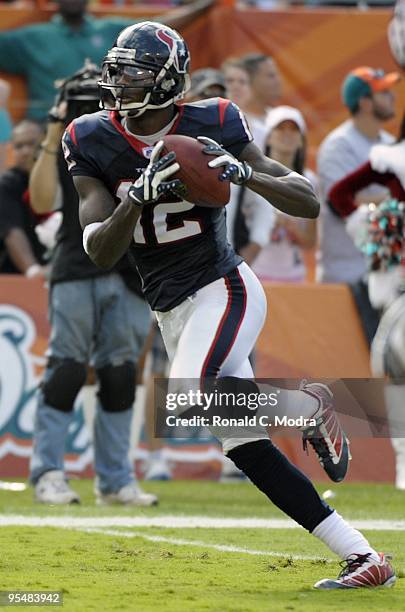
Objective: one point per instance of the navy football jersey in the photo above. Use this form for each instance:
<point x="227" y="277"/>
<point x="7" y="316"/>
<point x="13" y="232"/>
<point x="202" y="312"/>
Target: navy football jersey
<point x="178" y="247"/>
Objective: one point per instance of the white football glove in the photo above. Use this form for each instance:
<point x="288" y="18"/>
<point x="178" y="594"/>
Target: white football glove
<point x="389" y="158"/>
<point x="152" y="183"/>
<point x="235" y="171"/>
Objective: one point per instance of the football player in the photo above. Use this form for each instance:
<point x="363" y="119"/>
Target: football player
<point x="208" y="303"/>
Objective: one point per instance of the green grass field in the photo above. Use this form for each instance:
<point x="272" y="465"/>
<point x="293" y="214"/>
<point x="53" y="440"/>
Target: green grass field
<point x="172" y="568"/>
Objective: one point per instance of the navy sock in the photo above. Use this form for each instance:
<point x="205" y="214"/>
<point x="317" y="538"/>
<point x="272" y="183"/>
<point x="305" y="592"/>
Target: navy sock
<point x="283" y="483"/>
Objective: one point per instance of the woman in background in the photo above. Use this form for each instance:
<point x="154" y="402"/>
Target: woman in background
<point x="282" y="259"/>
<point x="237" y="81"/>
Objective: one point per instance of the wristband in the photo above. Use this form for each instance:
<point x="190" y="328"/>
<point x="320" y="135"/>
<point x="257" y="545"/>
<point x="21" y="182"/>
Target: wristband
<point x="33" y="270"/>
<point x="46" y="150"/>
<point x="88" y="231"/>
<point x="132" y="194"/>
<point x="249" y="172"/>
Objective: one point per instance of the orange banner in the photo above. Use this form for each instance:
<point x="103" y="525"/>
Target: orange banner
<point x="313" y="48"/>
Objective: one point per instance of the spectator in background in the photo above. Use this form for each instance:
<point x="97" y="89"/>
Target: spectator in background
<point x="249" y="217"/>
<point x="20" y="250"/>
<point x="237" y="82"/>
<point x="282" y="259"/>
<point x="367" y="94"/>
<point x="5" y="123"/>
<point x="45" y="52"/>
<point x="97" y="316"/>
<point x="266" y="87"/>
<point x="386" y="165"/>
<point x="206" y="83"/>
<point x="386" y="280"/>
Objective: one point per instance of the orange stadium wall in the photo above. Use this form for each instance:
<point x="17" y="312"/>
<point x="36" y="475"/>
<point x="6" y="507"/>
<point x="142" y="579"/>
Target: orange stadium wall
<point x="314" y="49"/>
<point x="311" y="331"/>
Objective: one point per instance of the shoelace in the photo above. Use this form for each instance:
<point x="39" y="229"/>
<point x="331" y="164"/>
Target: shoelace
<point x="351" y="565"/>
<point x="319" y="445"/>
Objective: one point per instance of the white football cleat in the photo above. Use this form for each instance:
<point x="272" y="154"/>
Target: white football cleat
<point x="129" y="495"/>
<point x="361" y="572"/>
<point x="52" y="488"/>
<point x="327" y="438"/>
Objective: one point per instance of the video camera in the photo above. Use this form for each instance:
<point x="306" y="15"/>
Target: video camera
<point x="80" y="91"/>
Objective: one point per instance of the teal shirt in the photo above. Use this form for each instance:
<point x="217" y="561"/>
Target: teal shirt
<point x="5" y="126"/>
<point x="45" y="52"/>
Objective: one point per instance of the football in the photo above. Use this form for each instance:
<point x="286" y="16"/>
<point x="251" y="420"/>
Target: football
<point x="202" y="183"/>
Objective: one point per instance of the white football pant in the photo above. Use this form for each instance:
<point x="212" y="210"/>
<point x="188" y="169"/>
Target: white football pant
<point x="212" y="333"/>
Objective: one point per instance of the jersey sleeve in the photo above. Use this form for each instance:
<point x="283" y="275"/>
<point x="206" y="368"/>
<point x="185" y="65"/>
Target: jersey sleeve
<point x="235" y="130"/>
<point x="79" y="163"/>
<point x="342" y="197"/>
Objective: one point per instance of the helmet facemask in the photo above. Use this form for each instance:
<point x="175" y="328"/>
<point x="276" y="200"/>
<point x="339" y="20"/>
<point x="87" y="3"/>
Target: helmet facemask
<point x="126" y="87"/>
<point x="131" y="86"/>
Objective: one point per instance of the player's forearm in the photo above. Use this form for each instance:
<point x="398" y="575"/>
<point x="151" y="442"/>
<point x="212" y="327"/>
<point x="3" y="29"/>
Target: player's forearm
<point x="110" y="241"/>
<point x="43" y="184"/>
<point x="292" y="194"/>
<point x="19" y="250"/>
<point x="44" y="177"/>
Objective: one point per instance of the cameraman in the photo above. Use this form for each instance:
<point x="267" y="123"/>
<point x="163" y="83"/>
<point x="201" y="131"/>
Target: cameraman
<point x="95" y="317"/>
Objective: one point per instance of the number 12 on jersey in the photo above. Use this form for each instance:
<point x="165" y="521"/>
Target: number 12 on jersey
<point x="153" y="226"/>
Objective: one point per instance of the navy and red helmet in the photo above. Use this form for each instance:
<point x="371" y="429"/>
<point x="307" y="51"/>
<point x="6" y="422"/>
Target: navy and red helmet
<point x="147" y="69"/>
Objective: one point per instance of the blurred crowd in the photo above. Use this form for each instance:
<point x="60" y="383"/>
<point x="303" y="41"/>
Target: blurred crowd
<point x="357" y="163"/>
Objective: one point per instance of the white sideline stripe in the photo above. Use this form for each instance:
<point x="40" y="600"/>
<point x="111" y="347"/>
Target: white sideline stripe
<point x="165" y="521"/>
<point x="220" y="547"/>
<point x="178" y="522"/>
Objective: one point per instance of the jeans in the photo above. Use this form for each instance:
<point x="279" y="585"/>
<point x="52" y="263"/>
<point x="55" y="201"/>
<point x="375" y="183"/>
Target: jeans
<point x="101" y="322"/>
